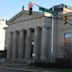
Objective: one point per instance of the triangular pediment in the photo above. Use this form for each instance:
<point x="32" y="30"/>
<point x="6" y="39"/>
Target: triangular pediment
<point x="24" y="16"/>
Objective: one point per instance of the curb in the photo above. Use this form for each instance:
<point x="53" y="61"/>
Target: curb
<point x="31" y="70"/>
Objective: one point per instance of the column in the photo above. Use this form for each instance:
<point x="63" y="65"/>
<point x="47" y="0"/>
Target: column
<point x="15" y="45"/>
<point x="44" y="43"/>
<point x="9" y="50"/>
<point x="13" y="49"/>
<point x="37" y="42"/>
<point x="28" y="44"/>
<point x="22" y="44"/>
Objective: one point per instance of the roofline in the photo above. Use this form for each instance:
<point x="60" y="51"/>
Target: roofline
<point x="20" y="13"/>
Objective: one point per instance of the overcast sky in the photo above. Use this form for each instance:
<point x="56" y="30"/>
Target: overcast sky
<point x="9" y="8"/>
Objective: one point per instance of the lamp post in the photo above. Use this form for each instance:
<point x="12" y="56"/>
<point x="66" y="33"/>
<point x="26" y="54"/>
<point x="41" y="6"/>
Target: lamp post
<point x="52" y="38"/>
<point x="33" y="55"/>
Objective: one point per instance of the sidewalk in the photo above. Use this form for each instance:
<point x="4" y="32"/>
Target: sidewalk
<point x="24" y="67"/>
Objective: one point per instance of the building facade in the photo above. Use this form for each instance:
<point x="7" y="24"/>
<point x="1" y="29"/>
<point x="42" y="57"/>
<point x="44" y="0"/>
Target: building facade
<point x="37" y="36"/>
<point x="2" y="34"/>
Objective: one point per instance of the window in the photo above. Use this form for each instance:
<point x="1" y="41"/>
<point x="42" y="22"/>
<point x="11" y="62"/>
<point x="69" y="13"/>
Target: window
<point x="68" y="35"/>
<point x="68" y="40"/>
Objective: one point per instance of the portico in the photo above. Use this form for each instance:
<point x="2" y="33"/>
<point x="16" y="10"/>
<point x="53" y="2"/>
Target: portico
<point x="20" y="43"/>
<point x="27" y="35"/>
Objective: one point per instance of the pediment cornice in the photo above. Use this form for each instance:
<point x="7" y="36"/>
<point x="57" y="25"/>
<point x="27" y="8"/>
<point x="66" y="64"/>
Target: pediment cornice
<point x="26" y="17"/>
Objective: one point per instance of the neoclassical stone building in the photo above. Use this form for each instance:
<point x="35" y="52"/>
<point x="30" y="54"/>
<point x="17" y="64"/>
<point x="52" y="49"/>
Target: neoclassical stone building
<point x="28" y="35"/>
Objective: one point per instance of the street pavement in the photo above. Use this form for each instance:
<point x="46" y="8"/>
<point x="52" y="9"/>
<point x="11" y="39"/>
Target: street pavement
<point x="10" y="70"/>
<point x="5" y="69"/>
<point x="16" y="67"/>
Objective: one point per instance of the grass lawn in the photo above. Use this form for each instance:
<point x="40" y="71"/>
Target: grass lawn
<point x="50" y="69"/>
<point x="61" y="70"/>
